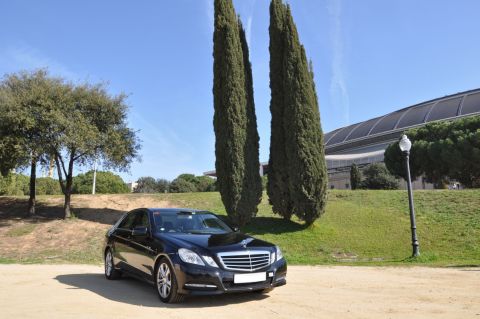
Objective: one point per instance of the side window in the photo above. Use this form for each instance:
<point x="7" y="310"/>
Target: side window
<point x="128" y="221"/>
<point x="141" y="220"/>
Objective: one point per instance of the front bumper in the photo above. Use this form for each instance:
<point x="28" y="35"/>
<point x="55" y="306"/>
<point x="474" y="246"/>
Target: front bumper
<point x="206" y="280"/>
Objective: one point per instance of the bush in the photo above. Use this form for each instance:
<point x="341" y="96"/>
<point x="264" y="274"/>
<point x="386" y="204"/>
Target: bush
<point x="162" y="185"/>
<point x="48" y="186"/>
<point x="205" y="184"/>
<point x="378" y="177"/>
<point x="14" y="184"/>
<point x="180" y="185"/>
<point x="146" y="184"/>
<point x="186" y="183"/>
<point x="107" y="183"/>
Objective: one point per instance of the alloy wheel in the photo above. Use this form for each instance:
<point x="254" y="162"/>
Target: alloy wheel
<point x="108" y="263"/>
<point x="164" y="280"/>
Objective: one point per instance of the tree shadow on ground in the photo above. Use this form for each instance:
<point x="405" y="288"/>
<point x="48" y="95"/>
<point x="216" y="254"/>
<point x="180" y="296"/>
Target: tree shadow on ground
<point x="272" y="225"/>
<point x="138" y="293"/>
<point x="16" y="208"/>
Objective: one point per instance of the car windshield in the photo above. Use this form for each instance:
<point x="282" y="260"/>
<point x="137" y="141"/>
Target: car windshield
<point x="189" y="223"/>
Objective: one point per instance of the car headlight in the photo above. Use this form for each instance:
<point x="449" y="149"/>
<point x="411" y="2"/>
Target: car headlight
<point x="279" y="253"/>
<point x="190" y="257"/>
<point x="210" y="261"/>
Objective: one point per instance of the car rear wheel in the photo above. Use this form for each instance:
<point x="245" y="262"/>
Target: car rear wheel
<point x="166" y="283"/>
<point x="110" y="272"/>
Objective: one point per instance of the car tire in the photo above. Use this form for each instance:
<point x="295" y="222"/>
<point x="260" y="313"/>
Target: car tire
<point x="110" y="272"/>
<point x="166" y="282"/>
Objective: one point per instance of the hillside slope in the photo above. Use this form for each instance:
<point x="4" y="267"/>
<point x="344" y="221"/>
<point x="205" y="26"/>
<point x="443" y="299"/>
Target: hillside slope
<point x="359" y="227"/>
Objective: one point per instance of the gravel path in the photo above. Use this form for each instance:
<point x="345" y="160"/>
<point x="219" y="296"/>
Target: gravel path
<point x="81" y="291"/>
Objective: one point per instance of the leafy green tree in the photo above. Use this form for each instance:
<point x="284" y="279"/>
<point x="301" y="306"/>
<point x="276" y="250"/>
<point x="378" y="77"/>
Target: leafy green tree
<point x="441" y="151"/>
<point x="277" y="186"/>
<point x="146" y="184"/>
<point x="106" y="183"/>
<point x="13" y="152"/>
<point x="355" y="176"/>
<point x="180" y="185"/>
<point x="189" y="178"/>
<point x="28" y="101"/>
<point x="162" y="185"/>
<point x="13" y="184"/>
<point x="233" y="123"/>
<point x="49" y="186"/>
<point x="205" y="184"/>
<point x="91" y="125"/>
<point x="377" y="176"/>
<point x="301" y="135"/>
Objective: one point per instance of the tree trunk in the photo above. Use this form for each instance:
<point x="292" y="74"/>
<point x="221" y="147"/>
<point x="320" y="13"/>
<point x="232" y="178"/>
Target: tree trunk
<point x="68" y="188"/>
<point x="51" y="167"/>
<point x="33" y="178"/>
<point x="66" y="206"/>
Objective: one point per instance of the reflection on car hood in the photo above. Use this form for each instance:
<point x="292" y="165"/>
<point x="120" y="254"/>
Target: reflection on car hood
<point x="216" y="242"/>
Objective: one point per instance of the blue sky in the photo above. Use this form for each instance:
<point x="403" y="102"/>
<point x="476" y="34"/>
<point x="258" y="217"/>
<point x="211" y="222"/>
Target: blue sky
<point x="370" y="57"/>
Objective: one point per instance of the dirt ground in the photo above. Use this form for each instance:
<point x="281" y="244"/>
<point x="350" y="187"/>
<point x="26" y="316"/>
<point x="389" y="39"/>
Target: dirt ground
<point x="42" y="237"/>
<point x="81" y="291"/>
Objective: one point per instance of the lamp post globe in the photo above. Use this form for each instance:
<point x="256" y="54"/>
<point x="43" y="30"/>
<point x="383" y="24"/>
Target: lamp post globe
<point x="405" y="145"/>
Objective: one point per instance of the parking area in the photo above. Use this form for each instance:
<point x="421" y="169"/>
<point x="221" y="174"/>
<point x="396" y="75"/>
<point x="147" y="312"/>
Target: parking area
<point x="81" y="291"/>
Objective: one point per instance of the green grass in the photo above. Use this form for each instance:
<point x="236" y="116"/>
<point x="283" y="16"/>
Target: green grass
<point x="369" y="227"/>
<point x="21" y="230"/>
<point x="359" y="227"/>
<point x="7" y="261"/>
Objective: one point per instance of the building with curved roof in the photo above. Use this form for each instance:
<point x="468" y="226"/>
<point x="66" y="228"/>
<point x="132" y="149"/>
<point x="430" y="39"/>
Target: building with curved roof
<point x="365" y="142"/>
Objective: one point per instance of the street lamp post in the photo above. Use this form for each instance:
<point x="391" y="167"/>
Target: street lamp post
<point x="405" y="146"/>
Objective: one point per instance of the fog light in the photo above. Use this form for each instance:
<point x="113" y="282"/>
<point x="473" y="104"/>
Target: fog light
<point x="270" y="274"/>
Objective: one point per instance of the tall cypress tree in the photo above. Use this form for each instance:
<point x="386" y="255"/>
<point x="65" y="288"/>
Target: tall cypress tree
<point x="355" y="177"/>
<point x="233" y="121"/>
<point x="300" y="177"/>
<point x="277" y="186"/>
<point x="252" y="184"/>
<point x="307" y="173"/>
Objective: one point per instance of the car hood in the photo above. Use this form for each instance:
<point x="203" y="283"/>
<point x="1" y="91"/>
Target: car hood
<point x="215" y="243"/>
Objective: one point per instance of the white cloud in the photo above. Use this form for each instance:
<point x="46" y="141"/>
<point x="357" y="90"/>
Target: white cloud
<point x="209" y="10"/>
<point x="248" y="30"/>
<point x="24" y="57"/>
<point x="338" y="86"/>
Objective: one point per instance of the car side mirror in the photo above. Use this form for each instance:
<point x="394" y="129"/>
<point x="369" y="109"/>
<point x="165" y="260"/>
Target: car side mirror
<point x="140" y="231"/>
<point x="236" y="229"/>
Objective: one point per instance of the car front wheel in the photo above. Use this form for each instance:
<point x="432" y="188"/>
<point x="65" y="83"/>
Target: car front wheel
<point x="166" y="283"/>
<point x="110" y="272"/>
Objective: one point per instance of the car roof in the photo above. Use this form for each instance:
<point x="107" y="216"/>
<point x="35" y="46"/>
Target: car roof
<point x="190" y="210"/>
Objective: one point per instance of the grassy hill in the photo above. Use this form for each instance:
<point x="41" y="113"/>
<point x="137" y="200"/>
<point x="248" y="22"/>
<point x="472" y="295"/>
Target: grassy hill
<point x="359" y="227"/>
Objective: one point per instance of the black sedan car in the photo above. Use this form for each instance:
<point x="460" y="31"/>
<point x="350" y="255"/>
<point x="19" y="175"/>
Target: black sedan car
<point x="190" y="252"/>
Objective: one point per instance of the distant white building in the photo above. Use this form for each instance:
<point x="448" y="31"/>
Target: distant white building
<point x="132" y="186"/>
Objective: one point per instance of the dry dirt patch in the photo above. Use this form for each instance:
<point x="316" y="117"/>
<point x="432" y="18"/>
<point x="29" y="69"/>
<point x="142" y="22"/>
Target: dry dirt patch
<point x="47" y="237"/>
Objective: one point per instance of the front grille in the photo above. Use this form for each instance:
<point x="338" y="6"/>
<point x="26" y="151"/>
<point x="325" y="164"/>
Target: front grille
<point x="245" y="260"/>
